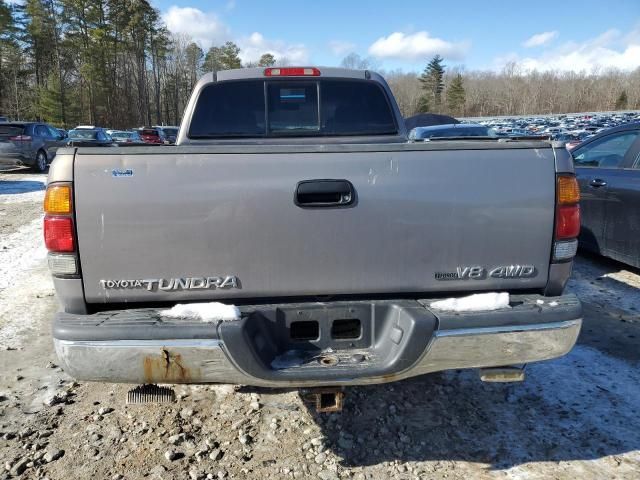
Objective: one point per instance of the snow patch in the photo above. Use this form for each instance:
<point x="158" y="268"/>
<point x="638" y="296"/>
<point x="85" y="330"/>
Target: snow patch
<point x="474" y="303"/>
<point x="21" y="251"/>
<point x="206" y="312"/>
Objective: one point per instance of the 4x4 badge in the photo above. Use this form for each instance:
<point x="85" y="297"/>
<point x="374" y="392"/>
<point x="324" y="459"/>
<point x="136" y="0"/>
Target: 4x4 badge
<point x="477" y="272"/>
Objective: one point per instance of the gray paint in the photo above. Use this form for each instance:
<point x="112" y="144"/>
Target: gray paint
<point x="417" y="213"/>
<point x="61" y="169"/>
<point x="70" y="294"/>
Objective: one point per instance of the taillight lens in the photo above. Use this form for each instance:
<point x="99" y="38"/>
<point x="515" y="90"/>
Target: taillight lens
<point x="568" y="190"/>
<point x="567" y="222"/>
<point x="57" y="200"/>
<point x="567" y="217"/>
<point x="58" y="234"/>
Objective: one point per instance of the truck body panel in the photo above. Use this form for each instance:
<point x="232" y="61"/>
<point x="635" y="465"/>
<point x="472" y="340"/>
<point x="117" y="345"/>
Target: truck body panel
<point x="418" y="214"/>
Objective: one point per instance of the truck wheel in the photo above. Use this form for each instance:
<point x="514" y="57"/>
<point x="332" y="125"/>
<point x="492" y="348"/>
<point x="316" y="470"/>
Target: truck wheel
<point x="41" y="162"/>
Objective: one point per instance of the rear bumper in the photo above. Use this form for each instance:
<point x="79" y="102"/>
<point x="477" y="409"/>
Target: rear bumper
<point x="405" y="340"/>
<point x="15" y="158"/>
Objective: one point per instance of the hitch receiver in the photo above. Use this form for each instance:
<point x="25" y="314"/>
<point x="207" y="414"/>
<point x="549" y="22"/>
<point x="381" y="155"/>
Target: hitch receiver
<point x="325" y="399"/>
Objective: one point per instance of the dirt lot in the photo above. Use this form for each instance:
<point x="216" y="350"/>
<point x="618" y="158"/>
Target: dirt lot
<point x="574" y="418"/>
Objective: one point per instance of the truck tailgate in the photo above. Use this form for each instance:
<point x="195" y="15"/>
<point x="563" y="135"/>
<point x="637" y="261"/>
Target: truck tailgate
<point x="185" y="223"/>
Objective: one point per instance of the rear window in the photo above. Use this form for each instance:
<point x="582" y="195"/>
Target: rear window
<point x="149" y="132"/>
<point x="292" y="108"/>
<point x="84" y="134"/>
<point x="11" y="130"/>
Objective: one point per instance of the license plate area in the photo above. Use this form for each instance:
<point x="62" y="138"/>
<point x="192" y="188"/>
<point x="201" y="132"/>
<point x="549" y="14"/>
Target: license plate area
<point x="328" y="340"/>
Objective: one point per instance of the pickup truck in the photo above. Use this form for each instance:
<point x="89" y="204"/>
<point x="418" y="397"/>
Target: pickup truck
<point x="294" y="195"/>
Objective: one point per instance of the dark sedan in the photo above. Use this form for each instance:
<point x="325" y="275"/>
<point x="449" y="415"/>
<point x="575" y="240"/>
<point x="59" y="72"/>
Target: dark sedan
<point x="608" y="171"/>
<point x="90" y="137"/>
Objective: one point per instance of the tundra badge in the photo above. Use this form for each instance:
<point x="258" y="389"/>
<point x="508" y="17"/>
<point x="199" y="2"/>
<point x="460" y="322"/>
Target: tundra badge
<point x="167" y="284"/>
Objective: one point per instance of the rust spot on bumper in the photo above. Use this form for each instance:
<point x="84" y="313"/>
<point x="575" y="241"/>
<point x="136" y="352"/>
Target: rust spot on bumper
<point x="168" y="367"/>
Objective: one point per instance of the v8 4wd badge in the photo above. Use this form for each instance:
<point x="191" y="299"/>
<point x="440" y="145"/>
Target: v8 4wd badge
<point x="477" y="272"/>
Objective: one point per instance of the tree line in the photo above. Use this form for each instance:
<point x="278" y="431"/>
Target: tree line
<point x="102" y="62"/>
<point x="114" y="63"/>
<point x="513" y="91"/>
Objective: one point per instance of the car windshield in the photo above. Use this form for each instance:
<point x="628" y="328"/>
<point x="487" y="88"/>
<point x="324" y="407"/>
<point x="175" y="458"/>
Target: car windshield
<point x="83" y="134"/>
<point x="293" y="108"/>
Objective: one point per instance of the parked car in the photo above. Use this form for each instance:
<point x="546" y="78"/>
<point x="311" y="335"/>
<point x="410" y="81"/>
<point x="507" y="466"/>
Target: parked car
<point x="3" y="119"/>
<point x="29" y="143"/>
<point x="608" y="171"/>
<point x="126" y="137"/>
<point x="89" y="137"/>
<point x="153" y="135"/>
<point x="577" y="139"/>
<point x="170" y="133"/>
<point x="451" y="130"/>
<point x="299" y="198"/>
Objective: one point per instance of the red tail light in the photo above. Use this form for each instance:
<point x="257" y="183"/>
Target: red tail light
<point x="58" y="234"/>
<point x="567" y="222"/>
<point x="567" y="208"/>
<point x="292" y="72"/>
<point x="20" y="138"/>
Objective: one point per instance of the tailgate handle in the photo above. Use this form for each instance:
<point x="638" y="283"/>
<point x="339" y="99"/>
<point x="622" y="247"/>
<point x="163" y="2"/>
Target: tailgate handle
<point x="324" y="193"/>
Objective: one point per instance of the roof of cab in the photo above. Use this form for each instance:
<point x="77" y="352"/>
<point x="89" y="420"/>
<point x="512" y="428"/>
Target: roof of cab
<point x="254" y="73"/>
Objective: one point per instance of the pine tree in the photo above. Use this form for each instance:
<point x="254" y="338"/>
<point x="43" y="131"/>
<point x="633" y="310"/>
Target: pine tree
<point x="622" y="101"/>
<point x="423" y="104"/>
<point x="432" y="80"/>
<point x="456" y="95"/>
<point x="224" y="57"/>
<point x="50" y="101"/>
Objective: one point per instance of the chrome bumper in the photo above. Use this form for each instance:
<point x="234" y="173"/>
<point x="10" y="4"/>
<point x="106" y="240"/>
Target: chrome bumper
<point x="206" y="361"/>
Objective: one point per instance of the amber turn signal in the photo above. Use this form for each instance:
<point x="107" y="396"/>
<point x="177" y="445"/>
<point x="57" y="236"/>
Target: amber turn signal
<point x="57" y="200"/>
<point x="568" y="190"/>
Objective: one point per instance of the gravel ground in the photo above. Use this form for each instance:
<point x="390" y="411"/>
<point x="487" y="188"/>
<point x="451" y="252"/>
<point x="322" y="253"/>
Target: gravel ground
<point x="575" y="417"/>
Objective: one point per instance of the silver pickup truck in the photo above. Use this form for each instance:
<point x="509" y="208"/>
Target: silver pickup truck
<point x="294" y="195"/>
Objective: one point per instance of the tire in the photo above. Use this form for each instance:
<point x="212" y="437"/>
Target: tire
<point x="41" y="162"/>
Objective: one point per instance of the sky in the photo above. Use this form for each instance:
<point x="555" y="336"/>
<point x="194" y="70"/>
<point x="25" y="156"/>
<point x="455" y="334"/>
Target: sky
<point x="476" y="35"/>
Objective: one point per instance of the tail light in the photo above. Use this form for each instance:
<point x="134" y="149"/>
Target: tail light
<point x="567" y="226"/>
<point x="292" y="72"/>
<point x="58" y="234"/>
<point x="59" y="230"/>
<point x="57" y="200"/>
<point x="20" y="138"/>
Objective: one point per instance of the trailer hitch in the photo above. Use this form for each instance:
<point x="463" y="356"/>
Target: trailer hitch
<point x="324" y="399"/>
